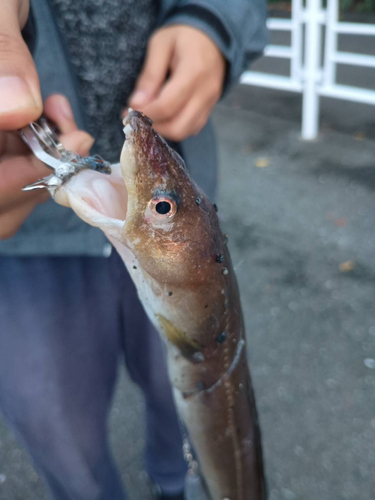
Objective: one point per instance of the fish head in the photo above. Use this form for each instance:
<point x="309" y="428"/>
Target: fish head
<point x="157" y="212"/>
<point x="169" y="222"/>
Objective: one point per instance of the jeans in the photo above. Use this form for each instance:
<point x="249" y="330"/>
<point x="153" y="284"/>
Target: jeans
<point x="65" y="323"/>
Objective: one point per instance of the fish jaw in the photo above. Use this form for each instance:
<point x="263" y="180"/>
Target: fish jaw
<point x="99" y="200"/>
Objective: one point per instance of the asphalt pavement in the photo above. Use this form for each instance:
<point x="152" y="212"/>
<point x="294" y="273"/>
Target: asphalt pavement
<point x="300" y="218"/>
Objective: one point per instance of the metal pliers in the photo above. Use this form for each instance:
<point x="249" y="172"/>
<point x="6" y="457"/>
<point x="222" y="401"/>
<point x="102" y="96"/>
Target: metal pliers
<point x="46" y="146"/>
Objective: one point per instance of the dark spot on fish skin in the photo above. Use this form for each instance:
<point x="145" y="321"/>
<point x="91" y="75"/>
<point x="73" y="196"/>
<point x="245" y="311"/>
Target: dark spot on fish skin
<point x="220" y="258"/>
<point x="134" y="267"/>
<point x="221" y="338"/>
<point x="170" y="294"/>
<point x="206" y="306"/>
<point x="215" y="207"/>
<point x="225" y="271"/>
<point x="198" y="201"/>
<point x="200" y="386"/>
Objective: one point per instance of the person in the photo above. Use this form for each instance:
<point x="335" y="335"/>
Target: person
<point x="68" y="310"/>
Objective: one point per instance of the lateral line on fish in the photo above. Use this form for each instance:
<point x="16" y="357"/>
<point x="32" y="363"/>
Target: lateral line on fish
<point x="229" y="372"/>
<point x="229" y="395"/>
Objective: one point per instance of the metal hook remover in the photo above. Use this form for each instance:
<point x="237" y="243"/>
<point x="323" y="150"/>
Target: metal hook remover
<point x="46" y="146"/>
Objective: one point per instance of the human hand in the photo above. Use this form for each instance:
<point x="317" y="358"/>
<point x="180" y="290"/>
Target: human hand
<point x="181" y="81"/>
<point x="20" y="104"/>
<point x="19" y="167"/>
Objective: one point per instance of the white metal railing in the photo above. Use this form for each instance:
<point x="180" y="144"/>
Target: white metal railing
<point x="306" y="74"/>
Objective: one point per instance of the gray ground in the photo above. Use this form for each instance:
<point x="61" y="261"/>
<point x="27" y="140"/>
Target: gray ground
<point x="301" y="233"/>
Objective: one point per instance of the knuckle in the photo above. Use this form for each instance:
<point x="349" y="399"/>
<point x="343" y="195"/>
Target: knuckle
<point x="9" y="45"/>
<point x="178" y="134"/>
<point x="165" y="113"/>
<point x="157" y="37"/>
<point x="162" y="111"/>
<point x="148" y="75"/>
<point x="199" y="66"/>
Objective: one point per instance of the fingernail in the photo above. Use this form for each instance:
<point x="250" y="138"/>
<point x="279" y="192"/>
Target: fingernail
<point x="66" y="108"/>
<point x="15" y="94"/>
<point x="139" y="98"/>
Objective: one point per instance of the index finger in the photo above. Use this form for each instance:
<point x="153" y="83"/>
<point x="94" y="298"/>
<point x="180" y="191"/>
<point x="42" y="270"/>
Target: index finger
<point x="18" y="171"/>
<point x="174" y="95"/>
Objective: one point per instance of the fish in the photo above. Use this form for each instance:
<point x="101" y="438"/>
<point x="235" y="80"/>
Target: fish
<point x="167" y="232"/>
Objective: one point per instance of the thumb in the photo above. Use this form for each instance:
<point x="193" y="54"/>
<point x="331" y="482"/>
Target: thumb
<point x="155" y="69"/>
<point x="20" y="98"/>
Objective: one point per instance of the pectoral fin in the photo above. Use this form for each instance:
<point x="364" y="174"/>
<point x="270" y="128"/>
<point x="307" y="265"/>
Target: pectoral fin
<point x="188" y="347"/>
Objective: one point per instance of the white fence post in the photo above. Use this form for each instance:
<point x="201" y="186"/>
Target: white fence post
<point x="296" y="40"/>
<point x="308" y="77"/>
<point x="331" y="43"/>
<point x="310" y="104"/>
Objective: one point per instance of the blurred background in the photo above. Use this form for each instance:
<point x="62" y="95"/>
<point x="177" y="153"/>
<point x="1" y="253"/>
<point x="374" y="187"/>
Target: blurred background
<point x="300" y="215"/>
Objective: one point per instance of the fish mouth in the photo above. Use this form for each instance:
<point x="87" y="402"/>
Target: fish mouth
<point x="105" y="200"/>
<point x="100" y="200"/>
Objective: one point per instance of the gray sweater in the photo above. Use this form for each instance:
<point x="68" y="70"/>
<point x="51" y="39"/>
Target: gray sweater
<point x="84" y="53"/>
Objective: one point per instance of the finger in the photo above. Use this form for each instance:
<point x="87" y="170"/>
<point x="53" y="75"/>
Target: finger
<point x="11" y="144"/>
<point x="58" y="109"/>
<point x="17" y="172"/>
<point x="79" y="141"/>
<point x="174" y="95"/>
<point x="189" y="122"/>
<point x="12" y="221"/>
<point x="20" y="98"/>
<point x="155" y="69"/>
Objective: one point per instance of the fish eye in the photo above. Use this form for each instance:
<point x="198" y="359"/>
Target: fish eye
<point x="163" y="207"/>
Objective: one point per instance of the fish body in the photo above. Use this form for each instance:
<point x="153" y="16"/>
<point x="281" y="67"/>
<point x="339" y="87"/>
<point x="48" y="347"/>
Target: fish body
<point x="168" y="234"/>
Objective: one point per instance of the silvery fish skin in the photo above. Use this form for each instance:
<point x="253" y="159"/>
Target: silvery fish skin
<point x="167" y="232"/>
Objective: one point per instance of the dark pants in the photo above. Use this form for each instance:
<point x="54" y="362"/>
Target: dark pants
<point x="64" y="325"/>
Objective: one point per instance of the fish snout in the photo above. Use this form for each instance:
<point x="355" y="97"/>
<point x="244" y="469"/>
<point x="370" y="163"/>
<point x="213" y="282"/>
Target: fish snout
<point x="136" y="122"/>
